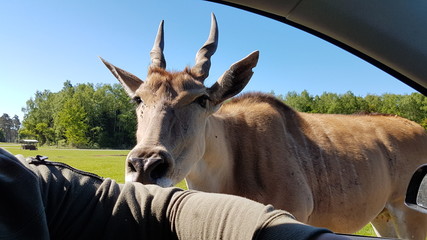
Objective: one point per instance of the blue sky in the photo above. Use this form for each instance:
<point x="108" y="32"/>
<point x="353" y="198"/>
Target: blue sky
<point x="44" y="43"/>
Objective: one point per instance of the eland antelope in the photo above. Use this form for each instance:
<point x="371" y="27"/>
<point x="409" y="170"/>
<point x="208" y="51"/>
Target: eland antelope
<point x="335" y="171"/>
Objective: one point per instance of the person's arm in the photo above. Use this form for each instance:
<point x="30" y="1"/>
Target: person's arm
<point x="68" y="204"/>
<point x="22" y="214"/>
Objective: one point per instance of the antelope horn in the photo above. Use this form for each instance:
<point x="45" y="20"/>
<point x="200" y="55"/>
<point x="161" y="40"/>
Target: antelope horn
<point x="203" y="56"/>
<point x="156" y="54"/>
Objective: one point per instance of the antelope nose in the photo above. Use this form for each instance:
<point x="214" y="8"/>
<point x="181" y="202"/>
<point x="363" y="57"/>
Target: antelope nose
<point x="147" y="170"/>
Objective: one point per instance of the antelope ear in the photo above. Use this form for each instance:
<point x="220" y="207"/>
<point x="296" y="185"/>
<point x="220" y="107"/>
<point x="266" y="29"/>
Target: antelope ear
<point x="234" y="79"/>
<point x="129" y="81"/>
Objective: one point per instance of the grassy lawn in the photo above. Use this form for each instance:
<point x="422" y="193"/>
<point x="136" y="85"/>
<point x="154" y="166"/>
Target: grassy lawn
<point x="105" y="163"/>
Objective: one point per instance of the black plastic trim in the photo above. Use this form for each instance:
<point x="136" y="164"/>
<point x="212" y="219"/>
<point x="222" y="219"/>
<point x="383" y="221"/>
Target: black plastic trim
<point x="413" y="187"/>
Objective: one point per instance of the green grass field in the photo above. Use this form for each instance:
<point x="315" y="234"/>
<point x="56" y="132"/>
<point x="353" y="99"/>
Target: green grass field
<point x="105" y="163"/>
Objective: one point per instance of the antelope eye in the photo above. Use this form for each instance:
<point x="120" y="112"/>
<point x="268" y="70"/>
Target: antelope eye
<point x="202" y="100"/>
<point x="137" y="100"/>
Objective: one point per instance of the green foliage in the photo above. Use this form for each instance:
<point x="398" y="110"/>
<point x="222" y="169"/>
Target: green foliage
<point x="2" y="135"/>
<point x="73" y="118"/>
<point x="39" y="116"/>
<point x="83" y="116"/>
<point x="412" y="106"/>
<point x="9" y="128"/>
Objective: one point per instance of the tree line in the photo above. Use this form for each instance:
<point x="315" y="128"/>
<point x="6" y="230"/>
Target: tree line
<point x="102" y="116"/>
<point x="82" y="116"/>
<point x="9" y="128"/>
<point x="411" y="106"/>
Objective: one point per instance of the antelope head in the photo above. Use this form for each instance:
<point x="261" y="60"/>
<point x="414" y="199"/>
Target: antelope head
<point x="173" y="109"/>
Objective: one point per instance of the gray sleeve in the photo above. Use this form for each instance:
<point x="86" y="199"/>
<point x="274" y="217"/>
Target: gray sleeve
<point x="65" y="203"/>
<point x="197" y="215"/>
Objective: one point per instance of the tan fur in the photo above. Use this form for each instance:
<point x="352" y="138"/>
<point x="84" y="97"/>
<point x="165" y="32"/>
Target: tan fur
<point x="333" y="171"/>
